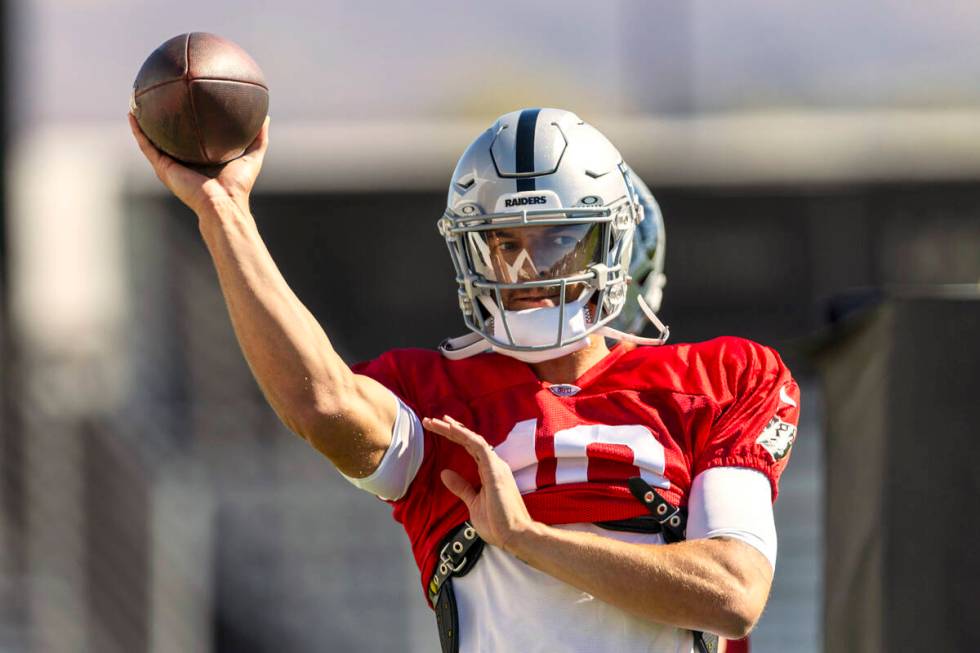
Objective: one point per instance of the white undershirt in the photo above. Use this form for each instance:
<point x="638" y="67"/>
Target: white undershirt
<point x="506" y="605"/>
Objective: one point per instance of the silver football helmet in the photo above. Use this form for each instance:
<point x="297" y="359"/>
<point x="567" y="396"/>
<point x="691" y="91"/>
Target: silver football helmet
<point x="540" y="221"/>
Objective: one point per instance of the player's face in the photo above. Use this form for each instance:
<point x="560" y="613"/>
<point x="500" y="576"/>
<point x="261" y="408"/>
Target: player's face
<point x="540" y="253"/>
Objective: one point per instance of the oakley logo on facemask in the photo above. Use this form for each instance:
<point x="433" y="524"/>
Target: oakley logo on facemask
<point x="512" y="271"/>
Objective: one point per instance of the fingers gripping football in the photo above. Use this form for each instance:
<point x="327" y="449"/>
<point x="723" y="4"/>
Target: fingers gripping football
<point x="183" y="182"/>
<point x="234" y="180"/>
<point x="497" y="510"/>
<point x="160" y="161"/>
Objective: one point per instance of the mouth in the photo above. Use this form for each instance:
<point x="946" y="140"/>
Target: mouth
<point x="524" y="300"/>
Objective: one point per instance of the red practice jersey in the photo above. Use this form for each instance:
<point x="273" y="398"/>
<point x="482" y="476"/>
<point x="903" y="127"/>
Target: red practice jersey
<point x="665" y="413"/>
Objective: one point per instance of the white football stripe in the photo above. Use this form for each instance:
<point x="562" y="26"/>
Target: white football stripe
<point x="785" y="398"/>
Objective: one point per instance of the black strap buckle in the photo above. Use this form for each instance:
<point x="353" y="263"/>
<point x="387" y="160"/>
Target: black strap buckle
<point x="456" y="557"/>
<point x="453" y="558"/>
<point x="672" y="519"/>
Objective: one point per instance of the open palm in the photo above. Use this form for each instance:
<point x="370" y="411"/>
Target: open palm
<point x="234" y="181"/>
<point x="497" y="510"/>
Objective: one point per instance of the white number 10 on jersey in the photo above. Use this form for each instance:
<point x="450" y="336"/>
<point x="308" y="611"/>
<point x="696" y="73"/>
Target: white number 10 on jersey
<point x="571" y="452"/>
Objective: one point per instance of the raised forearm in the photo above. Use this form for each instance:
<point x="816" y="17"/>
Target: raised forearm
<point x="346" y="416"/>
<point x="714" y="585"/>
<point x="306" y="382"/>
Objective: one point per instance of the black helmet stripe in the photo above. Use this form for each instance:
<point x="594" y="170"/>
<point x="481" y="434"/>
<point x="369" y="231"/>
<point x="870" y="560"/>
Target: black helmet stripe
<point x="524" y="147"/>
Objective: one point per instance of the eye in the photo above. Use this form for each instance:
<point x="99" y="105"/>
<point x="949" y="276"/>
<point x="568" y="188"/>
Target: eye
<point x="506" y="246"/>
<point x="563" y="241"/>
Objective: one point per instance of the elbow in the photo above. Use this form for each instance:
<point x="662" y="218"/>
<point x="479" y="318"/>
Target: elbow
<point x="736" y="625"/>
<point x="327" y="430"/>
<point x="744" y="588"/>
<point x="316" y="408"/>
<point x="740" y="611"/>
<point x="303" y="420"/>
<point x="338" y="418"/>
<point x="314" y="420"/>
<point x="310" y="415"/>
<point x="340" y="428"/>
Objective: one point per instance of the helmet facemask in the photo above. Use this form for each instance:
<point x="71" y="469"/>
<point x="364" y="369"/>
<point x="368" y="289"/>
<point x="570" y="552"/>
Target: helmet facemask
<point x="538" y="282"/>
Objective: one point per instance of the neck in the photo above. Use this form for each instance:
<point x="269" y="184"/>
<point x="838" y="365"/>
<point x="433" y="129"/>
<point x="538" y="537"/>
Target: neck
<point x="570" y="367"/>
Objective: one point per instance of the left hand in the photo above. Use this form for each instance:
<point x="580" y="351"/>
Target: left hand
<point x="497" y="510"/>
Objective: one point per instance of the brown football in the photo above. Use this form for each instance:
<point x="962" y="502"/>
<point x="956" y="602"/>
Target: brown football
<point x="200" y="98"/>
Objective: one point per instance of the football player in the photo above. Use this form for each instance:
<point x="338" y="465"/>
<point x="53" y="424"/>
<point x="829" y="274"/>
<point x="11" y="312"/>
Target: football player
<point x="559" y="494"/>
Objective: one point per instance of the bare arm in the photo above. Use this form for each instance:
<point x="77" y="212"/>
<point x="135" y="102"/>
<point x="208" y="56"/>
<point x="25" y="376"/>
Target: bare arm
<point x="346" y="416"/>
<point x="716" y="585"/>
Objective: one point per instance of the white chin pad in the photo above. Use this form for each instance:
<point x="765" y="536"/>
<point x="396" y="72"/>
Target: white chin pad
<point x="544" y="354"/>
<point x="538" y="327"/>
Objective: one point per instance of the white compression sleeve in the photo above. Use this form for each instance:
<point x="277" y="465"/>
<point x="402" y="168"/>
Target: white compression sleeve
<point x="402" y="459"/>
<point x="733" y="502"/>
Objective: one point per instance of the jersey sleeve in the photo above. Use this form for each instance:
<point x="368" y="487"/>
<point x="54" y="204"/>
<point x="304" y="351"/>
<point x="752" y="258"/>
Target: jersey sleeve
<point x="409" y="443"/>
<point x="401" y="461"/>
<point x="759" y="410"/>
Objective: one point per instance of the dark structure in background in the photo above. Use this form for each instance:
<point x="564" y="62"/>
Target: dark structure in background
<point x="5" y="48"/>
<point x="755" y="262"/>
<point x="12" y="611"/>
<point x="761" y="263"/>
<point x="901" y="387"/>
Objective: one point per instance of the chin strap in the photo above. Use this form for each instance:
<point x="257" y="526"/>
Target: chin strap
<point x="472" y="344"/>
<point x="616" y="334"/>
<point x="661" y="338"/>
<point x="464" y="346"/>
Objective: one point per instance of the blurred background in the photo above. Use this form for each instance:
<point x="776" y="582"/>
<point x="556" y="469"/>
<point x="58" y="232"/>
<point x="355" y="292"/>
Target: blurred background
<point x="818" y="167"/>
